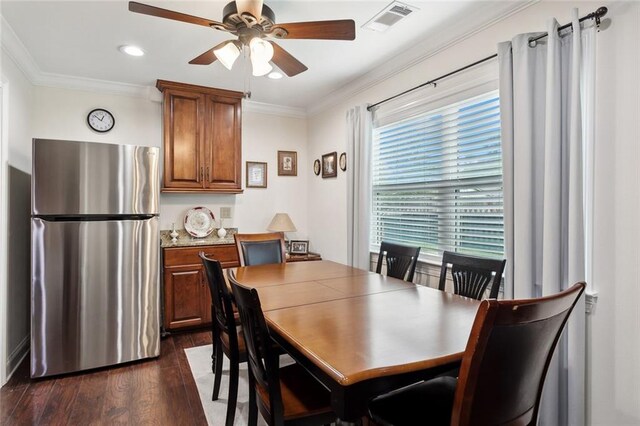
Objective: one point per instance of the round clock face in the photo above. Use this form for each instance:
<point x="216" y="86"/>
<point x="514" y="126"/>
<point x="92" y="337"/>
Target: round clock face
<point x="101" y="120"/>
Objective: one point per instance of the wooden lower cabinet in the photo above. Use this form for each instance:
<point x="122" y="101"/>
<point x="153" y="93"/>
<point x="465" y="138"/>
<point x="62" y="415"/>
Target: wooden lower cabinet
<point x="187" y="301"/>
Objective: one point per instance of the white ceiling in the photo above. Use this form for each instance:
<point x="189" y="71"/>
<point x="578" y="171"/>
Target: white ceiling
<point x="80" y="39"/>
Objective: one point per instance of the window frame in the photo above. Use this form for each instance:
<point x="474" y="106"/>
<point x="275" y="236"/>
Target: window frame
<point x="455" y="90"/>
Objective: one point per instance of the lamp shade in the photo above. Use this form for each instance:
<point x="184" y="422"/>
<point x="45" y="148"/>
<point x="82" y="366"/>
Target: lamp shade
<point x="261" y="54"/>
<point x="281" y="222"/>
<point x="227" y="54"/>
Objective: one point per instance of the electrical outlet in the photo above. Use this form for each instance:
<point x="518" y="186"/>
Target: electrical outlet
<point x="225" y="212"/>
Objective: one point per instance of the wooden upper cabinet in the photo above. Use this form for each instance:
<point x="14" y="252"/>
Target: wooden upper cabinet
<point x="202" y="138"/>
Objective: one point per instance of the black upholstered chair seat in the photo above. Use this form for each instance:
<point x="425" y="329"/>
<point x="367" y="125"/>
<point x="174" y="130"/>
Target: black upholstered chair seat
<point x="398" y="408"/>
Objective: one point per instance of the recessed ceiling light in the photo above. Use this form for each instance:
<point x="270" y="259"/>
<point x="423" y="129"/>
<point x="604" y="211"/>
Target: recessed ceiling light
<point x="275" y="75"/>
<point x="131" y="50"/>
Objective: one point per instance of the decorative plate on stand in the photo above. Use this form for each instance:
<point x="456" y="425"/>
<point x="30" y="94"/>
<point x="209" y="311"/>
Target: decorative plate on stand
<point x="199" y="222"/>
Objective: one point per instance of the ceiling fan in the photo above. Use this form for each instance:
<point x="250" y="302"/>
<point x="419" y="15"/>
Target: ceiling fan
<point x="252" y="22"/>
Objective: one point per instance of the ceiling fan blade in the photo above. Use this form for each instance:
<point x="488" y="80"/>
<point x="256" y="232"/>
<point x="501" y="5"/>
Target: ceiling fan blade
<point x="286" y="62"/>
<point x="344" y="29"/>
<point x="207" y="57"/>
<point x="254" y="7"/>
<point x="170" y="14"/>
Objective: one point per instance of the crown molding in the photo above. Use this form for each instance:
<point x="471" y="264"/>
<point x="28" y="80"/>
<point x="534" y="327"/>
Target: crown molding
<point x="419" y="53"/>
<point x="18" y="53"/>
<point x="14" y="48"/>
<point x="272" y="109"/>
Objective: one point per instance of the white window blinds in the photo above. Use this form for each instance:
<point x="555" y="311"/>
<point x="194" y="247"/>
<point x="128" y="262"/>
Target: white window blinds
<point x="437" y="180"/>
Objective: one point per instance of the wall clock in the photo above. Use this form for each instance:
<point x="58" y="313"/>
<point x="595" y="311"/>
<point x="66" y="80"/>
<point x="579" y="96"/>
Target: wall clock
<point x="101" y="120"/>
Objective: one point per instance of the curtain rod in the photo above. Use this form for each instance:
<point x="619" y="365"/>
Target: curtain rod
<point x="597" y="15"/>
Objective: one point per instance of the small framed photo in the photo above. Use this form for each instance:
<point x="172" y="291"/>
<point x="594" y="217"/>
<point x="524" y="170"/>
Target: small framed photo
<point x="256" y="174"/>
<point x="316" y="167"/>
<point x="299" y="247"/>
<point x="343" y="161"/>
<point x="287" y="163"/>
<point x="330" y="165"/>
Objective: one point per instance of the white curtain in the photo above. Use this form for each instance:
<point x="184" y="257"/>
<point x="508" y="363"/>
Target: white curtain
<point x="358" y="186"/>
<point x="542" y="91"/>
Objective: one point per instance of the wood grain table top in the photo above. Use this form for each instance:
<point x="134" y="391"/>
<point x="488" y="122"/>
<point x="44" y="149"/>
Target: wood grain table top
<point x="358" y="338"/>
<point x="360" y="333"/>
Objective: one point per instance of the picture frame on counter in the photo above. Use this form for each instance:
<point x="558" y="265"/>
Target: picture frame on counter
<point x="287" y="163"/>
<point x="256" y="174"/>
<point x="299" y="247"/>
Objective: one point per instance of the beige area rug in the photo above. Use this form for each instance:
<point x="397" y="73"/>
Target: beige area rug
<point x="216" y="411"/>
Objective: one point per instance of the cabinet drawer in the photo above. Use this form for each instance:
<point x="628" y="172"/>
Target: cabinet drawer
<point x="180" y="256"/>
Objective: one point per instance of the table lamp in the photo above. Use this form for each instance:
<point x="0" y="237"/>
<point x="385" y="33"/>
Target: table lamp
<point x="281" y="222"/>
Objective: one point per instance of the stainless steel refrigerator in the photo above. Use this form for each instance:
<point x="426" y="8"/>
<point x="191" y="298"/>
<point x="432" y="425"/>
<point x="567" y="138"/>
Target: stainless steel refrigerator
<point x="95" y="294"/>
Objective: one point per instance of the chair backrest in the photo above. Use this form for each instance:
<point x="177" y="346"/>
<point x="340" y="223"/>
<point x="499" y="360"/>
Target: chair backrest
<point x="258" y="249"/>
<point x="472" y="275"/>
<point x="401" y="260"/>
<point x="507" y="357"/>
<point x="261" y="355"/>
<point x="222" y="313"/>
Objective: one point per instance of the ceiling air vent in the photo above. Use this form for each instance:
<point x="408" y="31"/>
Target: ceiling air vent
<point x="389" y="16"/>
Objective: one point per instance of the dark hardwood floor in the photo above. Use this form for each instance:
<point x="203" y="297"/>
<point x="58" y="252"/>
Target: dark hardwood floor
<point x="159" y="391"/>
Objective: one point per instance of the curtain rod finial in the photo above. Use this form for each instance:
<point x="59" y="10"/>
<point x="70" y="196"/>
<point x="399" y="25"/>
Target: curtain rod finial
<point x="601" y="12"/>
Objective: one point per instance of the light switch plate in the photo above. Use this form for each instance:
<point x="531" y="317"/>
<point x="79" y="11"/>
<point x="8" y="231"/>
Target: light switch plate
<point x="225" y="212"/>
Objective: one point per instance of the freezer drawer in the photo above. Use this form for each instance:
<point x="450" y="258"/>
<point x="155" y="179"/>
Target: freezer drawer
<point x="95" y="294"/>
<point x="86" y="178"/>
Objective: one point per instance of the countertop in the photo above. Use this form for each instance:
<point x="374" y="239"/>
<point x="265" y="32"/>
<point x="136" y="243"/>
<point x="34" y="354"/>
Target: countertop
<point x="186" y="240"/>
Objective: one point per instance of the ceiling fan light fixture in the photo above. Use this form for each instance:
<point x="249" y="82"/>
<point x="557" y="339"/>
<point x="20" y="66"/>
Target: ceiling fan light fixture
<point x="275" y="75"/>
<point x="227" y="54"/>
<point x="260" y="68"/>
<point x="261" y="50"/>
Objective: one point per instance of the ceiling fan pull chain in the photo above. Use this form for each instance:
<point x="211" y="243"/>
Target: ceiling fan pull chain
<point x="246" y="71"/>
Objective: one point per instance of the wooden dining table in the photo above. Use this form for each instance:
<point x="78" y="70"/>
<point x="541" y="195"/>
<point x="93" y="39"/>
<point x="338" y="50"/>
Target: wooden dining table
<point x="359" y="333"/>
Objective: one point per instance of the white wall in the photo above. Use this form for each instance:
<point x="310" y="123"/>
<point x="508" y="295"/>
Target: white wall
<point x="16" y="134"/>
<point x="57" y="113"/>
<point x="263" y="135"/>
<point x="614" y="339"/>
<point x="615" y="326"/>
<point x="61" y="114"/>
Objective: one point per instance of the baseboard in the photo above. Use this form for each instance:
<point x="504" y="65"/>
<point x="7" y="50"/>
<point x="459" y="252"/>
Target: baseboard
<point x="17" y="355"/>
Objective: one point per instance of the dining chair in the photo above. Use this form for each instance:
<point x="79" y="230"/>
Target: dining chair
<point x="227" y="338"/>
<point x="286" y="395"/>
<point x="401" y="260"/>
<point x="502" y="373"/>
<point x="258" y="249"/>
<point x="471" y="275"/>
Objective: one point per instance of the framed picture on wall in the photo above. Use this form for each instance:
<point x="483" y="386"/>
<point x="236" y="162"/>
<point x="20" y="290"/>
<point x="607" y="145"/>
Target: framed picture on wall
<point x="256" y="174"/>
<point x="330" y="165"/>
<point x="287" y="163"/>
<point x="343" y="161"/>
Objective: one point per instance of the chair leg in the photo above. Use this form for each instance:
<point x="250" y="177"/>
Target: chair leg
<point x="217" y="375"/>
<point x="214" y="347"/>
<point x="233" y="391"/>
<point x="253" y="406"/>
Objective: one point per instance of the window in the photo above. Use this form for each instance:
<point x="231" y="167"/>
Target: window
<point x="437" y="180"/>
